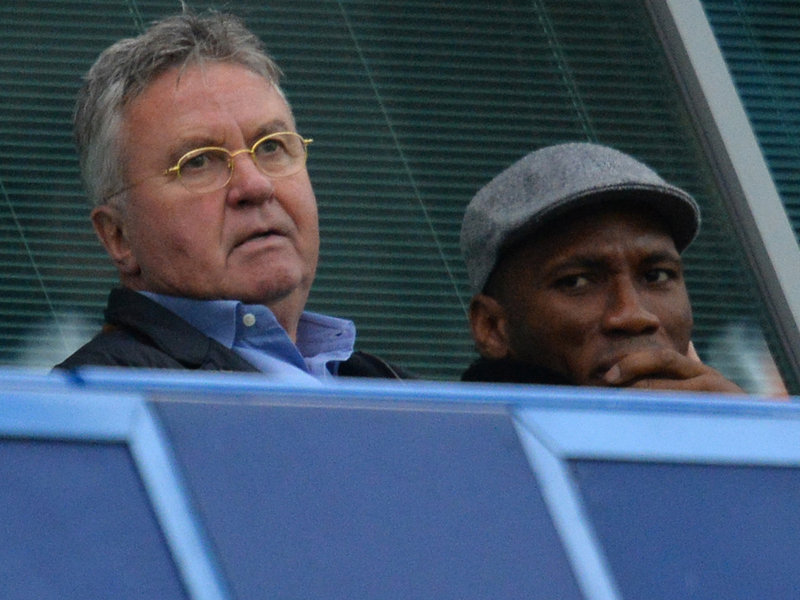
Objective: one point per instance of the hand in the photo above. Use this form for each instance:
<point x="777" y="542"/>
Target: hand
<point x="666" y="369"/>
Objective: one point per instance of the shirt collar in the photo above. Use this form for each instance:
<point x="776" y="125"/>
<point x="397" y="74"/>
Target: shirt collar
<point x="233" y="323"/>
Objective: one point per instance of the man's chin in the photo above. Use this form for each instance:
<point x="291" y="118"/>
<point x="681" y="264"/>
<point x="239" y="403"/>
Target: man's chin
<point x="266" y="288"/>
<point x="266" y="296"/>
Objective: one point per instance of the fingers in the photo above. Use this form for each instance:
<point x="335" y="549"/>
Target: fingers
<point x="664" y="369"/>
<point x="661" y="363"/>
<point x="709" y="382"/>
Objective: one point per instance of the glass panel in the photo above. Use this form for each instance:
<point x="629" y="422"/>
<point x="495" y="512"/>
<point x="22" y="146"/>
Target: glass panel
<point x="413" y="106"/>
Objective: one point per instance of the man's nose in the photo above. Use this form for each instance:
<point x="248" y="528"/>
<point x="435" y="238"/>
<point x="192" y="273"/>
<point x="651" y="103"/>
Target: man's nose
<point x="626" y="310"/>
<point x="248" y="184"/>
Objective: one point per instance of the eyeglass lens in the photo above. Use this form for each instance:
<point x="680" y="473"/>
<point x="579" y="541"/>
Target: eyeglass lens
<point x="207" y="169"/>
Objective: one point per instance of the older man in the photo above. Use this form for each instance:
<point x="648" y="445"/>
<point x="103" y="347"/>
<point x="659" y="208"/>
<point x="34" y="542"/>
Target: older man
<point x="573" y="254"/>
<point x="190" y="154"/>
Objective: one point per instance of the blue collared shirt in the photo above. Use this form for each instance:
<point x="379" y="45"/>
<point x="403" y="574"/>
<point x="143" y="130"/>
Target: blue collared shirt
<point x="253" y="332"/>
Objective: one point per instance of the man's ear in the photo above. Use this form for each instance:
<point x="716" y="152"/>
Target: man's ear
<point x="489" y="325"/>
<point x="110" y="228"/>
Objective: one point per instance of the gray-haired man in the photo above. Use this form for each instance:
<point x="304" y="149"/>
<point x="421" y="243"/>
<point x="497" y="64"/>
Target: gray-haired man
<point x="191" y="156"/>
<point x="573" y="254"/>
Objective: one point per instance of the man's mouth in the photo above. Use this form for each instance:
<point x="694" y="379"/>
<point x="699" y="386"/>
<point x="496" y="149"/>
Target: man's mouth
<point x="260" y="235"/>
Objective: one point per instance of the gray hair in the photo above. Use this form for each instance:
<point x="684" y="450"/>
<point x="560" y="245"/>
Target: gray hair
<point x="125" y="69"/>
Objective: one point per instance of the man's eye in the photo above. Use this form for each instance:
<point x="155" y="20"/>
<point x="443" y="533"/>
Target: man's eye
<point x="659" y="275"/>
<point x="199" y="161"/>
<point x="572" y="282"/>
<point x="269" y="147"/>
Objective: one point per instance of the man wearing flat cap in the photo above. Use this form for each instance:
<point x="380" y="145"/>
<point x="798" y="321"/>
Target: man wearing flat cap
<point x="574" y="258"/>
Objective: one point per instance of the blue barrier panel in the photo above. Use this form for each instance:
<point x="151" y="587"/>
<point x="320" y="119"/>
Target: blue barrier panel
<point x="341" y="501"/>
<point x="134" y="484"/>
<point x="701" y="531"/>
<point x="77" y="524"/>
<point x="686" y="500"/>
<point x="90" y="503"/>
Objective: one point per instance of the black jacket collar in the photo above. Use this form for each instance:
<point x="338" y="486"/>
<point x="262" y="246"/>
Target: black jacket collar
<point x="507" y="370"/>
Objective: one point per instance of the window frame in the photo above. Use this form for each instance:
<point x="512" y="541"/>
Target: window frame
<point x="757" y="214"/>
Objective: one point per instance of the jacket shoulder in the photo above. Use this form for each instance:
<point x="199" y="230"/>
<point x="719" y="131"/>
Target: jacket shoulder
<point x="119" y="348"/>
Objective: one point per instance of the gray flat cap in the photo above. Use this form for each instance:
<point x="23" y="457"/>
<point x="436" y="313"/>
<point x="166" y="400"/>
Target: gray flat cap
<point x="556" y="179"/>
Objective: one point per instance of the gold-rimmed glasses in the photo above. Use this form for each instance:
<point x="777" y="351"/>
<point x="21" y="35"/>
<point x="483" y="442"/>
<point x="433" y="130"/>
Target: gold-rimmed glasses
<point x="210" y="168"/>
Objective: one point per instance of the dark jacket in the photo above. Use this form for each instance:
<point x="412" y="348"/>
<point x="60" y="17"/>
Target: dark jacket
<point x="506" y="370"/>
<point x="141" y="333"/>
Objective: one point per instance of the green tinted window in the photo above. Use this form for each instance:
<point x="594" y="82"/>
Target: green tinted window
<point x="413" y="106"/>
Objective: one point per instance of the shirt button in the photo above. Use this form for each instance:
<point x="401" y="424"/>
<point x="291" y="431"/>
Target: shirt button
<point x="249" y="320"/>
